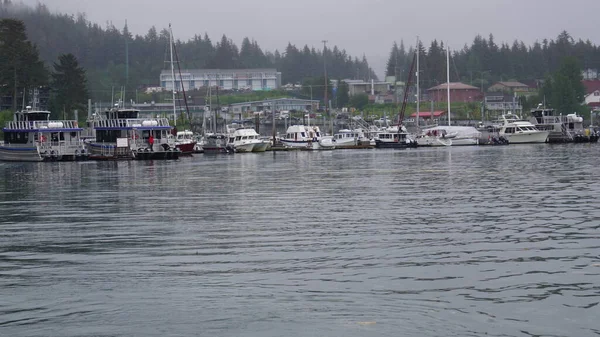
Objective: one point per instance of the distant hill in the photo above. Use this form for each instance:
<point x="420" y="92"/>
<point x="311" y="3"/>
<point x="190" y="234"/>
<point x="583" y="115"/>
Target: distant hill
<point x="103" y="52"/>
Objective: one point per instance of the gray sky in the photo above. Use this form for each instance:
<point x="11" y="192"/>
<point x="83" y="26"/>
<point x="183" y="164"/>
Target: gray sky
<point x="360" y="26"/>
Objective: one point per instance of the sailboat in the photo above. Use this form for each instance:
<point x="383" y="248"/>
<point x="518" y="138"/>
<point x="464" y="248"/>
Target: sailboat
<point x="184" y="140"/>
<point x="449" y="135"/>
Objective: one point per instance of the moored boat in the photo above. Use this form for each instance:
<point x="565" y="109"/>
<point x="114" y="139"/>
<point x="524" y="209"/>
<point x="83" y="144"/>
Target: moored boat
<point x="122" y="134"/>
<point x="518" y="131"/>
<point x="306" y="137"/>
<point x="185" y="142"/>
<point x="32" y="136"/>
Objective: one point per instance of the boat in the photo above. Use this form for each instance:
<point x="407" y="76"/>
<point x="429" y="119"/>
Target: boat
<point x="394" y="137"/>
<point x="33" y="137"/>
<point x="217" y="143"/>
<point x="452" y="135"/>
<point x="306" y="137"/>
<point x="122" y="134"/>
<point x="246" y="140"/>
<point x="185" y="142"/>
<point x="346" y="138"/>
<point x="562" y="129"/>
<point x="518" y="131"/>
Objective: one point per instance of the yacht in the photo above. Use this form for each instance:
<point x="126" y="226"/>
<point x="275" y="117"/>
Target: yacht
<point x="32" y="136"/>
<point x="307" y="137"/>
<point x="562" y="129"/>
<point x="349" y="138"/>
<point x="246" y="140"/>
<point x="394" y="137"/>
<point x="518" y="131"/>
<point x="122" y="134"/>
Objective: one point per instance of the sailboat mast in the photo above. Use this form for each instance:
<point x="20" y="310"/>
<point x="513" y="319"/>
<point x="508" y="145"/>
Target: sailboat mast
<point x="418" y="94"/>
<point x="448" y="78"/>
<point x="173" y="75"/>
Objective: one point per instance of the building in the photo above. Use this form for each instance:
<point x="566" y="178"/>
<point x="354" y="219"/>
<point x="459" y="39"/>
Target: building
<point x="356" y="87"/>
<point x="280" y="104"/>
<point x="226" y="79"/>
<point x="593" y="99"/>
<point x="512" y="87"/>
<point x="459" y="92"/>
<point x="498" y="103"/>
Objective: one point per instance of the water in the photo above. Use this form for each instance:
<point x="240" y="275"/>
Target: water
<point x="500" y="241"/>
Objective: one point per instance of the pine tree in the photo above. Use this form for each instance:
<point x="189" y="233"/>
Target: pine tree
<point x="70" y="84"/>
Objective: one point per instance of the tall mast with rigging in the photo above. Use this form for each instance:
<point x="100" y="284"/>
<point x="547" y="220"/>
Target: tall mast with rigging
<point x="173" y="75"/>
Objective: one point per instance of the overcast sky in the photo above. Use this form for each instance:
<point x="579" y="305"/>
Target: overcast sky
<point x="360" y="26"/>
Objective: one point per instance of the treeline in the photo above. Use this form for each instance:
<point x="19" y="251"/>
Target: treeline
<point x="485" y="61"/>
<point x="104" y="50"/>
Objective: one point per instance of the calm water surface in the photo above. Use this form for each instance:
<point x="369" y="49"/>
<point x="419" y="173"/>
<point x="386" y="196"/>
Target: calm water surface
<point x="498" y="241"/>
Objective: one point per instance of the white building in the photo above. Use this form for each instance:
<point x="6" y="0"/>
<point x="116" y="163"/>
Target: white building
<point x="227" y="79"/>
<point x="590" y="74"/>
<point x="593" y="98"/>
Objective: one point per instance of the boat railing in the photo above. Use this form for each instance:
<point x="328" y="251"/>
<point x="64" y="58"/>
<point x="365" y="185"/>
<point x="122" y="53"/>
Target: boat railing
<point x="34" y="125"/>
<point x="131" y="123"/>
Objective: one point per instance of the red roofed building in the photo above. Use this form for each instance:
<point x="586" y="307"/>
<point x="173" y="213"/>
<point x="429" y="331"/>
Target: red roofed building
<point x="459" y="92"/>
<point x="427" y="115"/>
<point x="591" y="86"/>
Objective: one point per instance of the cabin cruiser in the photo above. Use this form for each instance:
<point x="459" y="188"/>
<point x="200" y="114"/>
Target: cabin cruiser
<point x="122" y="134"/>
<point x="307" y="137"/>
<point x="32" y="136"/>
<point x="518" y="131"/>
<point x="449" y="135"/>
<point x="349" y="138"/>
<point x="395" y="137"/>
<point x="185" y="142"/>
<point x="561" y="128"/>
<point x="246" y="140"/>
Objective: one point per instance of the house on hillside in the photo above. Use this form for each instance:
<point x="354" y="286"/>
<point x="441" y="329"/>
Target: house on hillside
<point x="593" y="99"/>
<point x="511" y="87"/>
<point x="459" y="92"/>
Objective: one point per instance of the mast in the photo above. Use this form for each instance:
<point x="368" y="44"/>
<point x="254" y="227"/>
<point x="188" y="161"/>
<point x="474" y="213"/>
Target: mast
<point x="172" y="75"/>
<point x="418" y="94"/>
<point x="448" y="78"/>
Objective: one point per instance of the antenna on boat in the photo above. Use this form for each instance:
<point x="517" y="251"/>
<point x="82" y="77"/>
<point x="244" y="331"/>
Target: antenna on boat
<point x="448" y="79"/>
<point x="418" y="96"/>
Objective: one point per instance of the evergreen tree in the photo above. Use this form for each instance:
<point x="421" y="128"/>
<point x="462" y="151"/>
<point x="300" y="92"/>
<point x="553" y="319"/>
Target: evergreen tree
<point x="20" y="66"/>
<point x="343" y="97"/>
<point x="70" y="85"/>
<point x="564" y="90"/>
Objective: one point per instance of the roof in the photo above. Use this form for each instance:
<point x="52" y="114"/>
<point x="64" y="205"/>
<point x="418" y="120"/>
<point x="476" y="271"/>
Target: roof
<point x="591" y="85"/>
<point x="513" y="84"/>
<point x="428" y="114"/>
<point x="454" y="86"/>
<point x="222" y="71"/>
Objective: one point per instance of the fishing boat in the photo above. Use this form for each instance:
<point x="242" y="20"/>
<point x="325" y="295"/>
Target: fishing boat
<point x="394" y="137"/>
<point x="185" y="142"/>
<point x="346" y="138"/>
<point x="122" y="134"/>
<point x="306" y="137"/>
<point x="246" y="140"/>
<point x="217" y="143"/>
<point x="32" y="136"/>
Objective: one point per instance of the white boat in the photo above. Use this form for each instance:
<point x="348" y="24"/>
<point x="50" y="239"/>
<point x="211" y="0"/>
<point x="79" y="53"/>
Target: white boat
<point x="562" y="129"/>
<point x="518" y="131"/>
<point x="349" y="138"/>
<point x="246" y="140"/>
<point x="307" y="137"/>
<point x="394" y="137"/>
<point x="32" y="136"/>
<point x="216" y="143"/>
<point x="122" y="134"/>
<point x="451" y="135"/>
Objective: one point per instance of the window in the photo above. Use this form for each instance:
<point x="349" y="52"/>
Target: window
<point x="596" y="93"/>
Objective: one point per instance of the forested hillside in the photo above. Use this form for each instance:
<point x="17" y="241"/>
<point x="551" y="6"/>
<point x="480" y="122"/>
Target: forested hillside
<point x="486" y="61"/>
<point x="104" y="50"/>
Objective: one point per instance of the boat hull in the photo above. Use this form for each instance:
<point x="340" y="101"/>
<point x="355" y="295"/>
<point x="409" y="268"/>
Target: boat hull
<point x="243" y="148"/>
<point x="24" y="154"/>
<point x="260" y="147"/>
<point x="301" y="144"/>
<point x="394" y="145"/>
<point x="527" y="138"/>
<point x="186" y="148"/>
